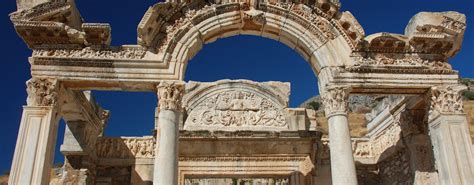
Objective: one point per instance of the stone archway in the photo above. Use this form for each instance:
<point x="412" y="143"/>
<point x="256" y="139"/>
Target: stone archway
<point x="69" y="55"/>
<point x="315" y="31"/>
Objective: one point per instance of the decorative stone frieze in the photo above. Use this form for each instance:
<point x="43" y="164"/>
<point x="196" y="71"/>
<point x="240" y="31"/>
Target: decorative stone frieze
<point x="447" y="99"/>
<point x="400" y="63"/>
<point x="42" y="92"/>
<point x="336" y="100"/>
<point x="362" y="149"/>
<point x="40" y="11"/>
<point x="436" y="32"/>
<point x="110" y="53"/>
<point x="170" y="95"/>
<point x="301" y="164"/>
<point x="255" y="16"/>
<point x="126" y="147"/>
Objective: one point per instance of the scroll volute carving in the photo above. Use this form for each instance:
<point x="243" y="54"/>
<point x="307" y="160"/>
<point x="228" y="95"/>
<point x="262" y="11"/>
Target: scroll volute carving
<point x="42" y="92"/>
<point x="170" y="95"/>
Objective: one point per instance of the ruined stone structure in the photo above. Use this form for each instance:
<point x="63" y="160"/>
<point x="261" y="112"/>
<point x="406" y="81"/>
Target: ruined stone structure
<point x="243" y="132"/>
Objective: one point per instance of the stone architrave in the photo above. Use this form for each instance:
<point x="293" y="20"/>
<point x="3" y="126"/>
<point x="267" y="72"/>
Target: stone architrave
<point x="170" y="109"/>
<point x="450" y="136"/>
<point x="335" y="101"/>
<point x="34" y="152"/>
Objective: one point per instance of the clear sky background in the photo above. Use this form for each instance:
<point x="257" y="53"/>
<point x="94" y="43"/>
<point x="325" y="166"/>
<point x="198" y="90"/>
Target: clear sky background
<point x="239" y="57"/>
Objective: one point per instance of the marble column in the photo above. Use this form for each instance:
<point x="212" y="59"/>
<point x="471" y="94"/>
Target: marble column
<point x="335" y="101"/>
<point x="169" y="107"/>
<point x="34" y="152"/>
<point x="450" y="136"/>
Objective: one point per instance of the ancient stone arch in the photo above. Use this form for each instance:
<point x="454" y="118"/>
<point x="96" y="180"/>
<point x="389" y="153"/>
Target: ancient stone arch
<point x="178" y="30"/>
<point x="71" y="57"/>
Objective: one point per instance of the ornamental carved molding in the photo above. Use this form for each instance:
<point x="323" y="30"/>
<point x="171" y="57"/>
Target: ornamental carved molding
<point x="57" y="22"/>
<point x="336" y="100"/>
<point x="42" y="92"/>
<point x="282" y="163"/>
<point x="164" y="24"/>
<point x="170" y="95"/>
<point x="125" y="147"/>
<point x="446" y="99"/>
<point x="110" y="53"/>
<point x="400" y="63"/>
<point x="236" y="105"/>
<point x="361" y="149"/>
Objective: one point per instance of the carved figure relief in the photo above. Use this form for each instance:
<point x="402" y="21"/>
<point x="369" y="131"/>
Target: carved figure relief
<point x="236" y="109"/>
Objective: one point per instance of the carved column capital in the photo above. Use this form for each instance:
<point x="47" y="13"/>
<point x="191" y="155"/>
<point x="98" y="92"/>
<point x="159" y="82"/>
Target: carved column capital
<point x="336" y="100"/>
<point x="42" y="92"/>
<point x="170" y="95"/>
<point x="446" y="99"/>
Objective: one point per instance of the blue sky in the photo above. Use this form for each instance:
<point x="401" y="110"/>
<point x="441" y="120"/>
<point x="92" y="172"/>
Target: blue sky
<point x="240" y="57"/>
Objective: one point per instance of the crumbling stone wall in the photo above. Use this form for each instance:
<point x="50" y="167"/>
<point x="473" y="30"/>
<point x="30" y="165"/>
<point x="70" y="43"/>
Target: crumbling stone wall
<point x="396" y="169"/>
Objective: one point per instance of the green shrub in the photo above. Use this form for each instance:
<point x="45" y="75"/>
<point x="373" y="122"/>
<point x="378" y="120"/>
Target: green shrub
<point x="465" y="81"/>
<point x="469" y="95"/>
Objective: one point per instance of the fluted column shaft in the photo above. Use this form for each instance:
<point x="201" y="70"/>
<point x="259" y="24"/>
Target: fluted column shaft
<point x="169" y="107"/>
<point x="335" y="101"/>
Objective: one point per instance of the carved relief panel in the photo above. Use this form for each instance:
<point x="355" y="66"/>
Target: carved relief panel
<point x="236" y="105"/>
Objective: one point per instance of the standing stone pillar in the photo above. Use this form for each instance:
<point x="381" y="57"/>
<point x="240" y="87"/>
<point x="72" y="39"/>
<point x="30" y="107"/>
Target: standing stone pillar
<point x="34" y="152"/>
<point x="335" y="101"/>
<point x="416" y="140"/>
<point x="169" y="107"/>
<point x="450" y="137"/>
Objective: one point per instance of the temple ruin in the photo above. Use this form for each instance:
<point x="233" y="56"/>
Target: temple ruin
<point x="238" y="131"/>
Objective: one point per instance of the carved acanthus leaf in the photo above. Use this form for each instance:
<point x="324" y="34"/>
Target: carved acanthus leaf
<point x="447" y="99"/>
<point x="170" y="95"/>
<point x="336" y="100"/>
<point x="42" y="92"/>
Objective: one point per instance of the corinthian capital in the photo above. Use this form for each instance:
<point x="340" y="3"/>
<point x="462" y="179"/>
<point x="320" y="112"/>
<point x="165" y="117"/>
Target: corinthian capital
<point x="447" y="99"/>
<point x="42" y="92"/>
<point x="169" y="95"/>
<point x="336" y="100"/>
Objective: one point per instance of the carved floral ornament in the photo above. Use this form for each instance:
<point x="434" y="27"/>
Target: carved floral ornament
<point x="42" y="92"/>
<point x="447" y="99"/>
<point x="336" y="100"/>
<point x="170" y="95"/>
